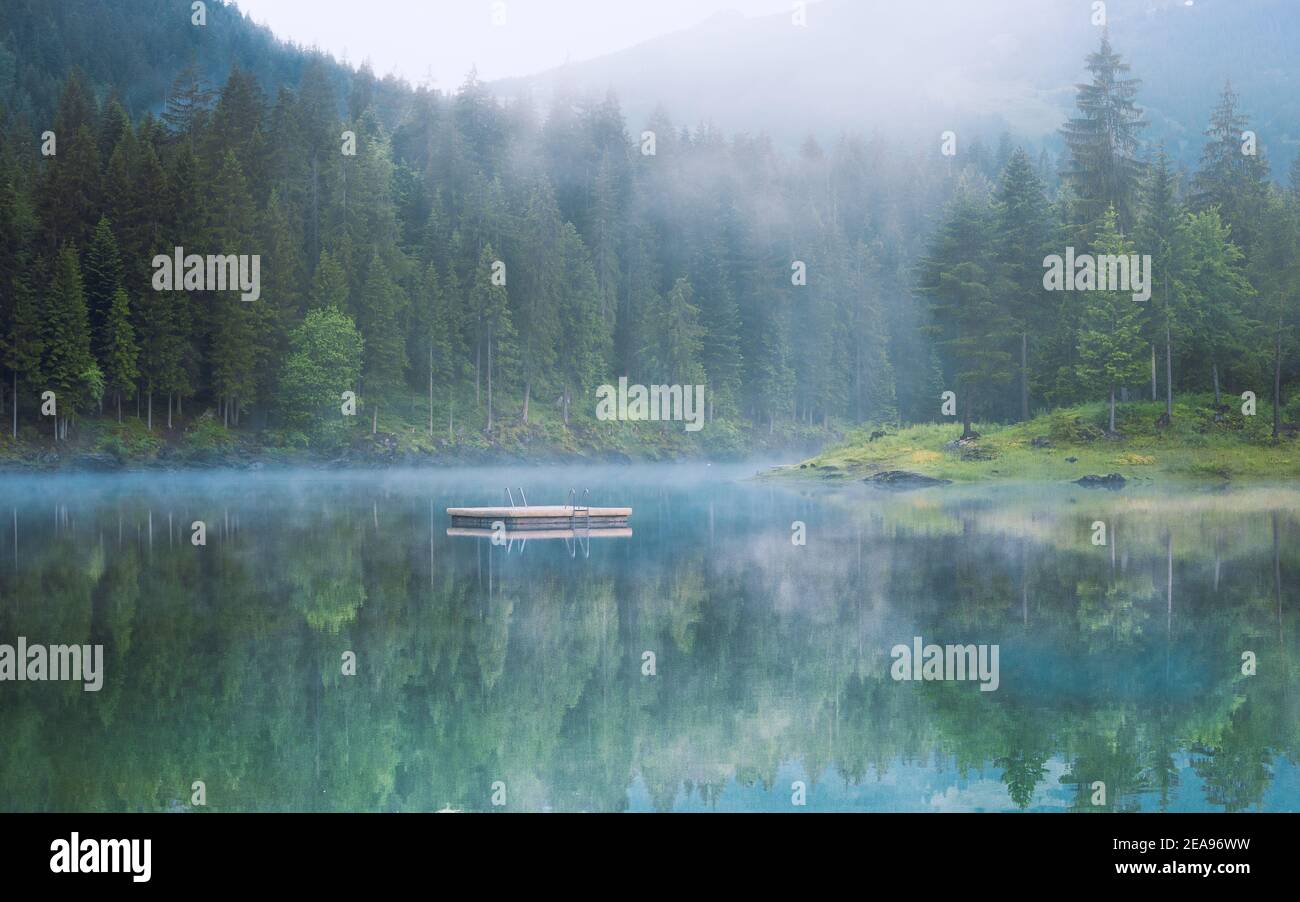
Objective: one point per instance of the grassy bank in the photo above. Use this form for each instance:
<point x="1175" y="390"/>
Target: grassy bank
<point x="1200" y="444"/>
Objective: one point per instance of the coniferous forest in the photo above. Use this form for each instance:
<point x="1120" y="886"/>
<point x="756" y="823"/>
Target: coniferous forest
<point x="919" y="435"/>
<point x="471" y="267"/>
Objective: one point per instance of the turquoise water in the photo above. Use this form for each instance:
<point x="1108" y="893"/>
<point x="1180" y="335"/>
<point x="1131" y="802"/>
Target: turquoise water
<point x="522" y="674"/>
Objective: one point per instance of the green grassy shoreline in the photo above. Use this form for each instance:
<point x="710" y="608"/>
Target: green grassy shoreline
<point x="1201" y="444"/>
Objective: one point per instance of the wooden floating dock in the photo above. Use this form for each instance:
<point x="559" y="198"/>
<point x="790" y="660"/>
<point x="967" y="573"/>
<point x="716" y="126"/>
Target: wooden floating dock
<point x="541" y="517"/>
<point x="541" y="534"/>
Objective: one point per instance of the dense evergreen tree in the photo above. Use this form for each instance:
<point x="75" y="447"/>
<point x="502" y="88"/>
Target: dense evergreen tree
<point x="1104" y="166"/>
<point x="67" y="366"/>
<point x="973" y="325"/>
<point x="1233" y="174"/>
<point x="1024" y="229"/>
<point x="117" y="351"/>
<point x="1155" y="235"/>
<point x="382" y="306"/>
<point x="1111" y="350"/>
<point x="103" y="279"/>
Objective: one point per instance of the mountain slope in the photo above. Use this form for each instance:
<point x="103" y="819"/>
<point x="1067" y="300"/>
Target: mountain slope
<point x="875" y="65"/>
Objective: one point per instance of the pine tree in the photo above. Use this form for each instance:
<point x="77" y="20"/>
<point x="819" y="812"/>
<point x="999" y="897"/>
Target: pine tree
<point x="102" y="269"/>
<point x="235" y="341"/>
<point x="1111" y="351"/>
<point x="1212" y="295"/>
<point x="1275" y="272"/>
<point x="69" y="192"/>
<point x="539" y="289"/>
<point x="118" y="352"/>
<point x="971" y="324"/>
<point x="1230" y="177"/>
<point x="720" y="352"/>
<point x="1103" y="166"/>
<point x="872" y="370"/>
<point x="382" y="305"/>
<point x="329" y="285"/>
<point x="188" y="104"/>
<point x="581" y="322"/>
<point x="433" y="336"/>
<point x="284" y="284"/>
<point x="1161" y="215"/>
<point x="677" y="353"/>
<point x="162" y="346"/>
<point x="20" y="341"/>
<point x="1024" y="231"/>
<point x="67" y="366"/>
<point x="492" y="305"/>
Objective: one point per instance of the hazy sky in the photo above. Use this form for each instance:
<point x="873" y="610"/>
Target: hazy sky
<point x="442" y="39"/>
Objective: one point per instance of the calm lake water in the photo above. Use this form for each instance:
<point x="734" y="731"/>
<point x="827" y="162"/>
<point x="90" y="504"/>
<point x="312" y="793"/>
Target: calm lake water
<point x="520" y="671"/>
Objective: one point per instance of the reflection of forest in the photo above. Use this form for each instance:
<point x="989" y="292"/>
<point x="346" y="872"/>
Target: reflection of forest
<point x="223" y="662"/>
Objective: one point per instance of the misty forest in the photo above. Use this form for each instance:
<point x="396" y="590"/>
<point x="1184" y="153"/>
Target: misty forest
<point x="450" y="277"/>
<point x="852" y="282"/>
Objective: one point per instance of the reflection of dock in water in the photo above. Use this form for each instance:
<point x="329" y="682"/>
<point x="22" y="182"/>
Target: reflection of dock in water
<point x="575" y="538"/>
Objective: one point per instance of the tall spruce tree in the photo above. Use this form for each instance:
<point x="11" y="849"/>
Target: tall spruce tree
<point x="1103" y="140"/>
<point x="1234" y="174"/>
<point x="1275" y="273"/>
<point x="117" y="351"/>
<point x="1024" y="232"/>
<point x="382" y="308"/>
<point x="102" y="269"/>
<point x="1161" y="214"/>
<point x="971" y="323"/>
<point x="67" y="366"/>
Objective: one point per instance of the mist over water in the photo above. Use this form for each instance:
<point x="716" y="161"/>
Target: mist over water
<point x="524" y="664"/>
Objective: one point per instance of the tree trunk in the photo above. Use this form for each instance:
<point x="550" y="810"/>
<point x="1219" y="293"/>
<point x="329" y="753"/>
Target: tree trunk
<point x="374" y="420"/>
<point x="1024" y="375"/>
<point x="1153" y="371"/>
<point x="965" y="415"/>
<point x="15" y="403"/>
<point x="1277" y="382"/>
<point x="1169" y="375"/>
<point x="489" y="380"/>
<point x="119" y="408"/>
<point x="169" y="411"/>
<point x="150" y="426"/>
<point x="430" y="391"/>
<point x="1214" y="367"/>
<point x="1112" y="410"/>
<point x="528" y="391"/>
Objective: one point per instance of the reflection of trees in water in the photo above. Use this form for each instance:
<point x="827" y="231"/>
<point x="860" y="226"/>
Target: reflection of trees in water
<point x="223" y="662"/>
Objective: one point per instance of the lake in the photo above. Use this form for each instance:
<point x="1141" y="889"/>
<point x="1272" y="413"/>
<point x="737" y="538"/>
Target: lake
<point x="331" y="647"/>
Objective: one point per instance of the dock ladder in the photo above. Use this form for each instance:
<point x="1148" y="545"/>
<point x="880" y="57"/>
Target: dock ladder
<point x="574" y="510"/>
